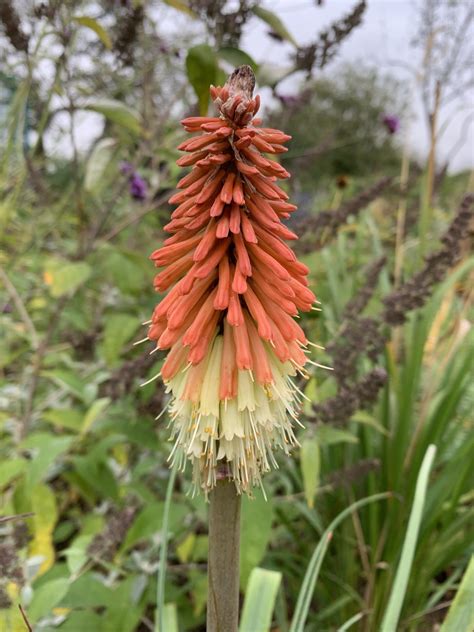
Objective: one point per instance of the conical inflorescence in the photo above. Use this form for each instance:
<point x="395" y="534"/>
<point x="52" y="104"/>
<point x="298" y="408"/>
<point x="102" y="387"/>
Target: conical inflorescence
<point x="234" y="287"/>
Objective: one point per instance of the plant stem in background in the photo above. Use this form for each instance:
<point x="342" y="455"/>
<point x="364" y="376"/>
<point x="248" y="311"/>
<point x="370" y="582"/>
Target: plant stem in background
<point x="223" y="563"/>
<point x="400" y="235"/>
<point x="19" y="304"/>
<point x="433" y="138"/>
<point x="160" y="594"/>
<point x="426" y="210"/>
<point x="401" y="214"/>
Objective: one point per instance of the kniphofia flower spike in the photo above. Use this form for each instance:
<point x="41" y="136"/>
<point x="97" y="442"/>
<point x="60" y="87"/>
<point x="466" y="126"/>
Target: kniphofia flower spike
<point x="234" y="287"/>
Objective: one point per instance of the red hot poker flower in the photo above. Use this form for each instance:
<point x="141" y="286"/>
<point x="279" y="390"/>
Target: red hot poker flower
<point x="235" y="287"/>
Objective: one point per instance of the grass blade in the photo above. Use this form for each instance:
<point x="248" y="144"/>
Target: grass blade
<point x="350" y="622"/>
<point x="461" y="613"/>
<point x="161" y="613"/>
<point x="397" y="595"/>
<point x="260" y="600"/>
<point x="314" y="566"/>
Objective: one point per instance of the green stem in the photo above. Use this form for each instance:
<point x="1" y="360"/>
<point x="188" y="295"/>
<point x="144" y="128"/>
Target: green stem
<point x="223" y="563"/>
<point x="160" y="593"/>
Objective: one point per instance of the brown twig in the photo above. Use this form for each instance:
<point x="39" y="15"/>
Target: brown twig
<point x="21" y="516"/>
<point x="25" y="618"/>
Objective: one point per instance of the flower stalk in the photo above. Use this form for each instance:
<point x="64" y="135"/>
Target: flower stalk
<point x="224" y="556"/>
<point x="234" y="288"/>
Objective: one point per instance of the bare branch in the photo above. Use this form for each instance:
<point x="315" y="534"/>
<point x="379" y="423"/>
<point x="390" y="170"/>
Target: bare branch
<point x="19" y="304"/>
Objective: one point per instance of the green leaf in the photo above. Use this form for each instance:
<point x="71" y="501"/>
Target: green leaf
<point x="69" y="381"/>
<point x="310" y="468"/>
<point x="81" y="620"/>
<point x="259" y="601"/>
<point x="119" y="328"/>
<point x="149" y="522"/>
<point x="311" y="394"/>
<point x="198" y="587"/>
<point x="461" y="612"/>
<point x="86" y="592"/>
<point x="64" y="418"/>
<point x="46" y="597"/>
<point x="94" y="470"/>
<point x="236" y="57"/>
<point x="202" y="69"/>
<point x="257" y="517"/>
<point x="124" y="270"/>
<point x="201" y="549"/>
<point x="312" y="572"/>
<point x="327" y="435"/>
<point x="397" y="595"/>
<point x="99" y="30"/>
<point x="274" y="23"/>
<point x="181" y="5"/>
<point x="142" y="432"/>
<point x="76" y="554"/>
<point x="44" y="507"/>
<point x="124" y="609"/>
<point x="10" y="470"/>
<point x="65" y="278"/>
<point x="96" y="165"/>
<point x="170" y="618"/>
<point x="117" y="112"/>
<point x="45" y="449"/>
<point x="93" y="413"/>
<point x="43" y="504"/>
<point x="185" y="549"/>
<point x="362" y="417"/>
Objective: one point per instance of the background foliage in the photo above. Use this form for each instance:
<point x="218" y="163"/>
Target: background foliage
<point x="82" y="457"/>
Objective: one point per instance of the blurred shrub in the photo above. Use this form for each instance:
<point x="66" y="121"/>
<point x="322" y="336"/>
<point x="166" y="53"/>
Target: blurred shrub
<point x="337" y="126"/>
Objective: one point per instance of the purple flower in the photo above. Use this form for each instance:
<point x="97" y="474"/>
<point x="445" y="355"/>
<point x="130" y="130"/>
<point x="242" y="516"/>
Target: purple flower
<point x="392" y="123"/>
<point x="137" y="187"/>
<point x="288" y="100"/>
<point x="126" y="168"/>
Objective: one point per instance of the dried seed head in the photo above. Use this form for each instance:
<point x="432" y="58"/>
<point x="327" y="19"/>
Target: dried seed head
<point x="414" y="293"/>
<point x="241" y="82"/>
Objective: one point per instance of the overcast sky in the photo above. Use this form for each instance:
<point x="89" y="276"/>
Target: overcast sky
<point x="384" y="40"/>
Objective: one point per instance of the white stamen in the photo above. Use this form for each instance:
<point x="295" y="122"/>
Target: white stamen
<point x="243" y="431"/>
<point x="163" y="411"/>
<point x="152" y="379"/>
<point x="139" y="342"/>
<point x="313" y="344"/>
<point x="321" y="366"/>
